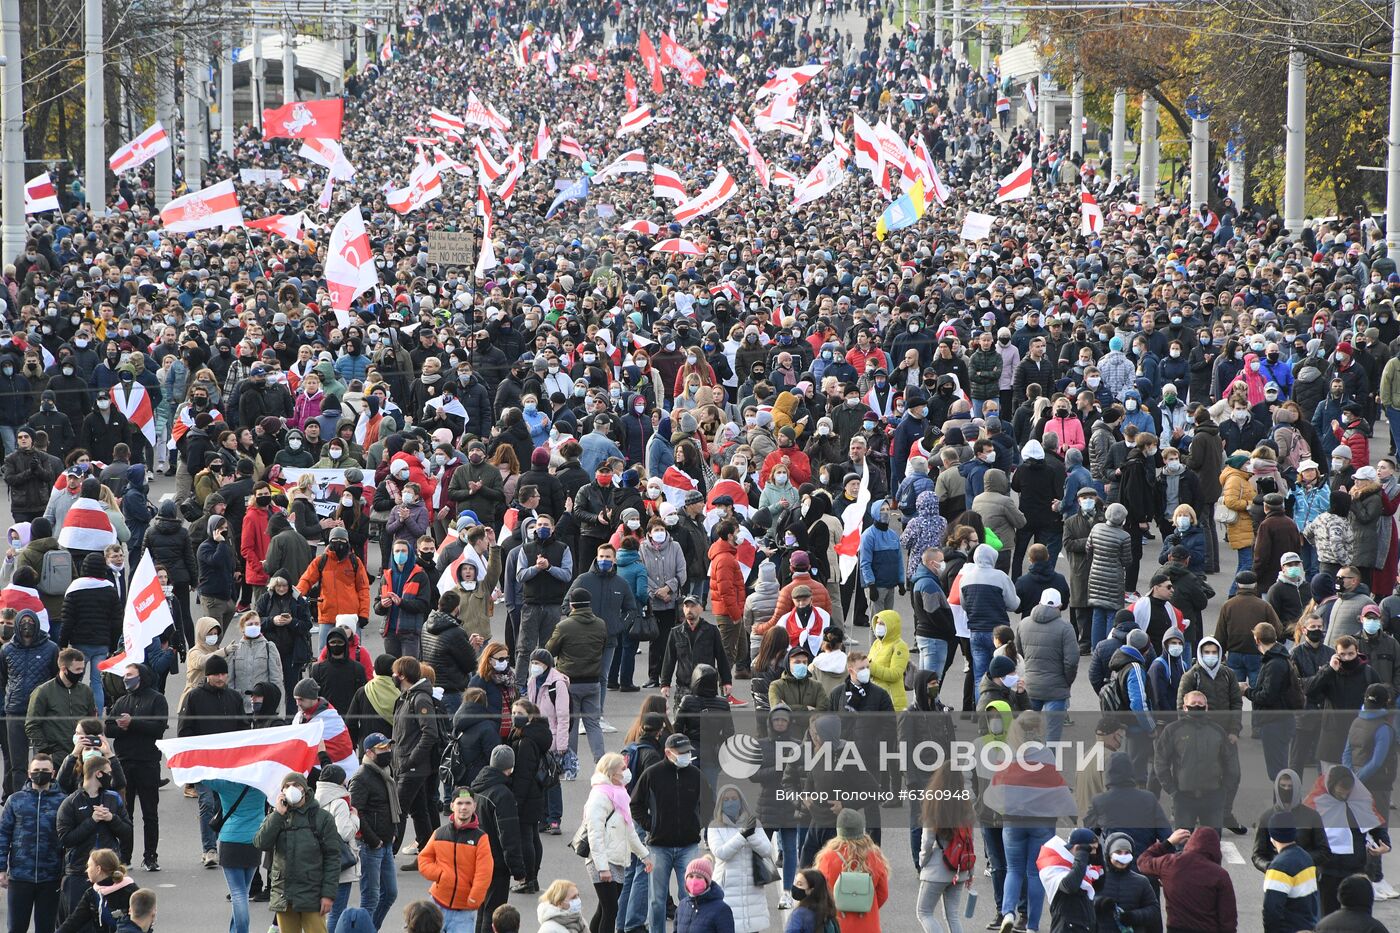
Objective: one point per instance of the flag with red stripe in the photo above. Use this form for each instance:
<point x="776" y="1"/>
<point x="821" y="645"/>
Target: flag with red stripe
<point x="1017" y="185"/>
<point x="135" y="404"/>
<point x="20" y="598"/>
<point x="647" y="51"/>
<point x="40" y="195"/>
<point x="260" y="758"/>
<point x="140" y="150"/>
<point x="86" y="527"/>
<point x="716" y="194"/>
<point x="1029" y="785"/>
<point x="1055" y="861"/>
<point x="852" y="518"/>
<point x="335" y="737"/>
<point x="676" y="484"/>
<point x="215" y="206"/>
<point x="147" y="615"/>
<point x="305" y="119"/>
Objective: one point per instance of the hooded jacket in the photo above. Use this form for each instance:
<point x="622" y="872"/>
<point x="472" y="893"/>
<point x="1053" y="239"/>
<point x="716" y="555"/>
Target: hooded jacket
<point x="477" y="731"/>
<point x="150" y="718"/>
<point x="881" y="561"/>
<point x="252" y="661"/>
<point x="985" y="593"/>
<point x="889" y="658"/>
<point x="305" y="847"/>
<point x="1199" y="894"/>
<point x="1124" y="807"/>
<point x="447" y="647"/>
<point x="288" y="553"/>
<point x="498" y="813"/>
<point x="26" y="662"/>
<point x="727" y="591"/>
<point x="1310" y="834"/>
<point x="1218" y="684"/>
<point x="1037" y="578"/>
<point x="1049" y="647"/>
<point x="1039" y="484"/>
<point x="994" y="504"/>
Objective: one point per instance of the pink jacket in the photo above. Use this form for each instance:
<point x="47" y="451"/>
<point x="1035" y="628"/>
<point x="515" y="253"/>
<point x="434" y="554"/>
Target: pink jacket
<point x="555" y="710"/>
<point x="307" y="407"/>
<point x="1069" y="430"/>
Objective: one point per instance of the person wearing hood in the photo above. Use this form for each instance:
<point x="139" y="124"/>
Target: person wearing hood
<point x="137" y="510"/>
<point x="1352" y="827"/>
<point x="889" y="656"/>
<point x="533" y="741"/>
<point x="305" y="845"/>
<point x="497" y="814"/>
<point x="296" y="453"/>
<point x="704" y="715"/>
<point x="27" y="661"/>
<point x="447" y="648"/>
<point x="999" y="512"/>
<point x="1124" y="898"/>
<point x="1355" y="899"/>
<point x="1199" y="893"/>
<point x="334" y="798"/>
<point x="134" y="724"/>
<point x="1127" y="677"/>
<point x="1370" y="748"/>
<point x="988" y="597"/>
<point x="882" y="569"/>
<point x="338" y="675"/>
<point x="738" y="841"/>
<point x="1040" y="484"/>
<point x="1127" y="807"/>
<point x="286" y="623"/>
<point x="1165" y="672"/>
<point x="1289" y="794"/>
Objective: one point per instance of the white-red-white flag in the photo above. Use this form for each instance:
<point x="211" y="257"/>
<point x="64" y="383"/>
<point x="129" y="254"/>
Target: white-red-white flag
<point x="570" y="146"/>
<point x="135" y="404"/>
<point x="215" y="206"/>
<point x="517" y="164"/>
<point x="294" y="183"/>
<point x="329" y="154"/>
<point x="448" y="124"/>
<point x="445" y="163"/>
<point x="424" y="184"/>
<point x="716" y="194"/>
<point x="40" y="195"/>
<point x="634" y="121"/>
<point x="486" y="165"/>
<point x="676" y="484"/>
<point x="259" y="758"/>
<point x="852" y="517"/>
<point x="1017" y="185"/>
<point x="147" y="613"/>
<point x="823" y="179"/>
<point x="486" y="251"/>
<point x="140" y="150"/>
<point x="350" y="268"/>
<point x="647" y="51"/>
<point x="667" y="184"/>
<point x="632" y="162"/>
<point x="868" y="153"/>
<point x="1090" y="215"/>
<point x="287" y="226"/>
<point x="86" y="527"/>
<point x="543" y="144"/>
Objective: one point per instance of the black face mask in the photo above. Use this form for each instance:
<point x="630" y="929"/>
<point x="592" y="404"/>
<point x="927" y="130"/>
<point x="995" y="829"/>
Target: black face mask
<point x="383" y="758"/>
<point x="1315" y="635"/>
<point x="341" y="548"/>
<point x="338" y="651"/>
<point x="263" y="501"/>
<point x="1350" y="664"/>
<point x="40" y="778"/>
<point x="519" y="720"/>
<point x="800" y="894"/>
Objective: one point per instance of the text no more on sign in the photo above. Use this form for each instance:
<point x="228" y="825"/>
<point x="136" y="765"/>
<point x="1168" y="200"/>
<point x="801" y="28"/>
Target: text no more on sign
<point x="452" y="249"/>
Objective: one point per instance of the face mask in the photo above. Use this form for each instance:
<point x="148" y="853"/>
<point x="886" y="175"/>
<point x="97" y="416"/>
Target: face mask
<point x="576" y="906"/>
<point x="1293" y="573"/>
<point x="536" y="669"/>
<point x="1210" y="660"/>
<point x="1182" y="523"/>
<point x="347" y="501"/>
<point x="1314" y="635"/>
<point x="868" y="425"/>
<point x="400" y="557"/>
<point x="799" y="671"/>
<point x="1011" y="680"/>
<point x="292" y="795"/>
<point x="1122" y="858"/>
<point x="1371" y="626"/>
<point x="989" y="458"/>
<point x="880" y="631"/>
<point x="252" y="631"/>
<point x="40" y="778"/>
<point x="544" y="532"/>
<point x="696" y="886"/>
<point x="294" y="443"/>
<point x="131" y="683"/>
<point x="1240" y="414"/>
<point x="211" y="640"/>
<point x="732" y="810"/>
<point x="683" y="761"/>
<point x="780" y="478"/>
<point x="863" y="676"/>
<point x="1130" y="404"/>
<point x="500" y="664"/>
<point x="658" y="536"/>
<point x="1086" y="506"/>
<point x="262" y="502"/>
<point x="1093" y="382"/>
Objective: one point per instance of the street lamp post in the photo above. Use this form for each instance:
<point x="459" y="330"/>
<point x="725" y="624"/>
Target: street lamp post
<point x="1120" y="130"/>
<point x="95" y="108"/>
<point x="1295" y="151"/>
<point x="1076" y="116"/>
<point x="12" y="132"/>
<point x="1147" y="159"/>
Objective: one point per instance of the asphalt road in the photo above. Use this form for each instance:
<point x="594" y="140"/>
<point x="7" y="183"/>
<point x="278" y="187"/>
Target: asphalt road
<point x="192" y="898"/>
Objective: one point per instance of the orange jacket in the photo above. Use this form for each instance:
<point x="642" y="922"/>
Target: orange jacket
<point x="830" y="865"/>
<point x="344" y="586"/>
<point x="727" y="592"/>
<point x="820" y="598"/>
<point x="458" y="863"/>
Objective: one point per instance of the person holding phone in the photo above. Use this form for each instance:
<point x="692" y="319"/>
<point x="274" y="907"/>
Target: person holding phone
<point x="305" y="847"/>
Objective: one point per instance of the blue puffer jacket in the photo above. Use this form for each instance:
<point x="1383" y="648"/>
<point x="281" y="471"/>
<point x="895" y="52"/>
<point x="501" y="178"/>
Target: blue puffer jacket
<point x="631" y="569"/>
<point x="27" y="661"/>
<point x="707" y="913"/>
<point x="29" y="849"/>
<point x="881" y="561"/>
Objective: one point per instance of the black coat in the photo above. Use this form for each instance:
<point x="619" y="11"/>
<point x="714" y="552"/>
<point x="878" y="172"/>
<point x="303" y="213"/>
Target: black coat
<point x="91" y="616"/>
<point x="1131" y="893"/>
<point x="1039" y="482"/>
<point x="500" y="818"/>
<point x="207" y="709"/>
<point x="448" y="648"/>
<point x="338" y="679"/>
<point x="150" y="718"/>
<point x="369" y="795"/>
<point x="531" y="745"/>
<point x="29" y="479"/>
<point x="477" y="732"/>
<point x="169" y="544"/>
<point x="99" y="433"/>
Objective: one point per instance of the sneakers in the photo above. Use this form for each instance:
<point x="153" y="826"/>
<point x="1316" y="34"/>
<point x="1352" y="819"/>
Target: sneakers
<point x="554" y="829"/>
<point x="150" y="864"/>
<point x="607" y="727"/>
<point x="735" y="701"/>
<point x="1008" y="921"/>
<point x="211" y="859"/>
<point x="1384" y="891"/>
<point x="786" y="902"/>
<point x="409" y="848"/>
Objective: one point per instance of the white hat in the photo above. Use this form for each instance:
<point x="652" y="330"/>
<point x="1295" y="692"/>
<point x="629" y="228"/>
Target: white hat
<point x="347" y="619"/>
<point x="1307" y="465"/>
<point x="1051" y="598"/>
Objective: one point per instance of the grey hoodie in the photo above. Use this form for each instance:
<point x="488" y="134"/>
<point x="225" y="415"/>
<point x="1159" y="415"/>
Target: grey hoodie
<point x="1050" y="649"/>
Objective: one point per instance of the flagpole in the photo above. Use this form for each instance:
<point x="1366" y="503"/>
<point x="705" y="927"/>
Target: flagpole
<point x="1295" y="149"/>
<point x="95" y="105"/>
<point x="258" y="84"/>
<point x="12" y="132"/>
<point x="1120" y="130"/>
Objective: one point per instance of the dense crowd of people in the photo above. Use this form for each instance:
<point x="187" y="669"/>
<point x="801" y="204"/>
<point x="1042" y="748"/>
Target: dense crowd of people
<point x="804" y="474"/>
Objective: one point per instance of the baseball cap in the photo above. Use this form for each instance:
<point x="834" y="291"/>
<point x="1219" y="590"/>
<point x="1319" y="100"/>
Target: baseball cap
<point x="375" y="740"/>
<point x="679" y="742"/>
<point x="1290" y="558"/>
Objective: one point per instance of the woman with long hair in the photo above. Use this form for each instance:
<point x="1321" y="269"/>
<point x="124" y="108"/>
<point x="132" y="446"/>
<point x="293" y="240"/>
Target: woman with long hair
<point x="815" y="909"/>
<point x="852" y="850"/>
<point x="736" y="838"/>
<point x="108" y="894"/>
<point x="947" y="822"/>
<point x="495" y="677"/>
<point x="505" y="460"/>
<point x="612" y="838"/>
<point x="532" y="740"/>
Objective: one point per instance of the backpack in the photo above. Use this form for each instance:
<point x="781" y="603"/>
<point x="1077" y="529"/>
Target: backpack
<point x="1113" y="696"/>
<point x="635" y="755"/>
<point x="854" y="891"/>
<point x="56" y="572"/>
<point x="452" y="767"/>
<point x="959" y="854"/>
<point x="549" y="770"/>
<point x="190" y="509"/>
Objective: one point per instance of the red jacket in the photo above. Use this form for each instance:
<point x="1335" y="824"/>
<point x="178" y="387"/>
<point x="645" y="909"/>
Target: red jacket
<point x="726" y="581"/>
<point x="253" y="543"/>
<point x="1199" y="893"/>
<point x="357" y="653"/>
<point x="1356" y="440"/>
<point x="799" y="469"/>
<point x="415" y="475"/>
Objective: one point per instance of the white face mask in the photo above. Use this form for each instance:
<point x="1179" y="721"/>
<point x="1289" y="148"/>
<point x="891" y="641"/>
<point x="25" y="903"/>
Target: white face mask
<point x="658" y="536"/>
<point x="347" y="501"/>
<point x="880" y="631"/>
<point x="536" y="669"/>
<point x="576" y="906"/>
<point x="1011" y="680"/>
<point x="500" y="664"/>
<point x="292" y="794"/>
<point x="294" y="443"/>
<point x="252" y="631"/>
<point x="1086" y="505"/>
<point x="626" y="776"/>
<point x="1175" y="649"/>
<point x="863" y="676"/>
<point x="683" y="761"/>
<point x="211" y="640"/>
<point x="634" y="523"/>
<point x="1122" y="858"/>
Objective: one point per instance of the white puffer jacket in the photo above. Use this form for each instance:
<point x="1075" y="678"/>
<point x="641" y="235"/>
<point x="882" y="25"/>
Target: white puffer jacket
<point x="734" y="852"/>
<point x="335" y="800"/>
<point x="611" y="839"/>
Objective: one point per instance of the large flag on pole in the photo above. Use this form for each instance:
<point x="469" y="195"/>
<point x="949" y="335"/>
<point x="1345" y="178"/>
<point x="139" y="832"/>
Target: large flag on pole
<point x="140" y="150"/>
<point x="305" y="119"/>
<point x="147" y="615"/>
<point x="350" y="268"/>
<point x="260" y="758"/>
<point x="647" y="51"/>
<point x="848" y="548"/>
<point x="215" y="206"/>
<point x="40" y="195"/>
<point x="716" y="194"/>
<point x="1017" y="185"/>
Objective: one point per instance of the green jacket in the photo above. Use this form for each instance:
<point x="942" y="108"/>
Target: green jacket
<point x="577" y="645"/>
<point x="305" y="847"/>
<point x="804" y="694"/>
<point x="54" y="711"/>
<point x="984" y="372"/>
